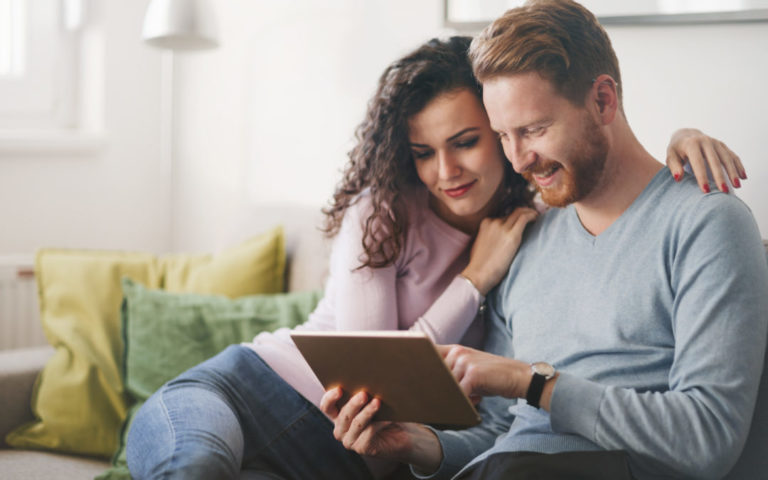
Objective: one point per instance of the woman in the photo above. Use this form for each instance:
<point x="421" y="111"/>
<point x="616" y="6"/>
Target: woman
<point x="427" y="219"/>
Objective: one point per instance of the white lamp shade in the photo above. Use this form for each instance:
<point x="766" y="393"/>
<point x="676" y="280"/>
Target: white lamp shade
<point x="180" y="25"/>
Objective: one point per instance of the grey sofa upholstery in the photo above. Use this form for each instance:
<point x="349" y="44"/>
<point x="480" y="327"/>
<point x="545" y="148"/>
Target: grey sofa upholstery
<point x="306" y="269"/>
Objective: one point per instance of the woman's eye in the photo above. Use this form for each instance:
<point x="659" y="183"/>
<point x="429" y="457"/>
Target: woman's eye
<point x="468" y="143"/>
<point x="421" y="155"/>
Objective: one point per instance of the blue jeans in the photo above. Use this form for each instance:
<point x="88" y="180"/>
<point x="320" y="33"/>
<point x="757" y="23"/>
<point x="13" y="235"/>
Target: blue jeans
<point x="234" y="412"/>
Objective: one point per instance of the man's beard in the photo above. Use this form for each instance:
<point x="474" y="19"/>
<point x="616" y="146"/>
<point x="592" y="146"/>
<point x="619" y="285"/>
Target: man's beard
<point x="587" y="166"/>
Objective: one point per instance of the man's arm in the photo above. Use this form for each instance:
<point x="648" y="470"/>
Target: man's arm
<point x="698" y="427"/>
<point x="432" y="453"/>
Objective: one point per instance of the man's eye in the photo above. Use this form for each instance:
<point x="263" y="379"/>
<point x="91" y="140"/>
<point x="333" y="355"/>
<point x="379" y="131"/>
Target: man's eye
<point x="534" y="131"/>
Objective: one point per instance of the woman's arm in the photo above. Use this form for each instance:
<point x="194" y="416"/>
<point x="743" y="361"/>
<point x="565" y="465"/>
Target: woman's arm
<point x="366" y="298"/>
<point x="705" y="155"/>
<point x="493" y="250"/>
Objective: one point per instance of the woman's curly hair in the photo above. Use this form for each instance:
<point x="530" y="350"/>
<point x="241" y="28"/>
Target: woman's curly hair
<point x="381" y="160"/>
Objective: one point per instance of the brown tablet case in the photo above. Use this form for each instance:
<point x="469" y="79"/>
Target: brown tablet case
<point x="403" y="369"/>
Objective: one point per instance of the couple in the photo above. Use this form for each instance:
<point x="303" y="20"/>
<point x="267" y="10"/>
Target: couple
<point x="640" y="302"/>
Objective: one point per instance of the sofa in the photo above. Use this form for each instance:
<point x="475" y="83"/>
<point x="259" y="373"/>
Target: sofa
<point x="306" y="265"/>
<point x="307" y="252"/>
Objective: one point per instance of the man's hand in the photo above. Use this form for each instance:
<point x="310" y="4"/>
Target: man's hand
<point x="353" y="422"/>
<point x="482" y="374"/>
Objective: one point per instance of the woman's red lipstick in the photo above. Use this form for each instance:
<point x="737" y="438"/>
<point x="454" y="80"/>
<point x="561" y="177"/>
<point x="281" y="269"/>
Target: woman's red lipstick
<point x="460" y="190"/>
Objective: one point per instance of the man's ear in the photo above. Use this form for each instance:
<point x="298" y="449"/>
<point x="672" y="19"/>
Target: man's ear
<point x="605" y="98"/>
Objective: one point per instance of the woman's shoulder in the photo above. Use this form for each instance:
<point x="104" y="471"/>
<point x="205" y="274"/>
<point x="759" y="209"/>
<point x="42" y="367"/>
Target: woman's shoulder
<point x="361" y="207"/>
<point x="413" y="200"/>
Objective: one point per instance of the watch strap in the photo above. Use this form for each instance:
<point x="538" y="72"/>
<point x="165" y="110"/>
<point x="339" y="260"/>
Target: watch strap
<point x="533" y="396"/>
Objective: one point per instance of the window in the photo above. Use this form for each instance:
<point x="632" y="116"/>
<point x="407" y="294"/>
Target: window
<point x="42" y="43"/>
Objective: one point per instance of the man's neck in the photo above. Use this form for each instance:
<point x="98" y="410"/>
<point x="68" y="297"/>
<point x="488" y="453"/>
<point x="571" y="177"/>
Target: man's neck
<point x="628" y="170"/>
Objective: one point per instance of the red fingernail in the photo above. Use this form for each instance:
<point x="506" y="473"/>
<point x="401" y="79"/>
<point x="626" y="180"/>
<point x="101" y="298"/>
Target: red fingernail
<point x="705" y="187"/>
<point x="736" y="182"/>
<point x="724" y="187"/>
<point x="677" y="177"/>
<point x="743" y="175"/>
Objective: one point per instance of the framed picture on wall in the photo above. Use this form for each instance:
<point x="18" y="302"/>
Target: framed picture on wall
<point x="473" y="15"/>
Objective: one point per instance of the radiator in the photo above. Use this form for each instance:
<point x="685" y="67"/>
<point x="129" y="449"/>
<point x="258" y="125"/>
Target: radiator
<point x="19" y="314"/>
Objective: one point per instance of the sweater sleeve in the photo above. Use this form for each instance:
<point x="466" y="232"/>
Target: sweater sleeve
<point x="450" y="315"/>
<point x="719" y="279"/>
<point x="366" y="298"/>
<point x="461" y="446"/>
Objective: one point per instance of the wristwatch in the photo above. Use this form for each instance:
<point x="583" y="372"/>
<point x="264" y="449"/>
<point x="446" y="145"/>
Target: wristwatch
<point x="541" y="373"/>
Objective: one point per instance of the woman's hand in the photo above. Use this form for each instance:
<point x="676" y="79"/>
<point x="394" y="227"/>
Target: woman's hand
<point x="494" y="248"/>
<point x="353" y="422"/>
<point x="704" y="153"/>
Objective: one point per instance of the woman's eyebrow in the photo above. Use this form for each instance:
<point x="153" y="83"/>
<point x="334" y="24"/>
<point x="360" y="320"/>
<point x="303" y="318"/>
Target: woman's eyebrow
<point x="457" y="135"/>
<point x="452" y="137"/>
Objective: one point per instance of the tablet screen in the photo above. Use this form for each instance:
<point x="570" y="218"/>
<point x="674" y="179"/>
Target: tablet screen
<point x="403" y="369"/>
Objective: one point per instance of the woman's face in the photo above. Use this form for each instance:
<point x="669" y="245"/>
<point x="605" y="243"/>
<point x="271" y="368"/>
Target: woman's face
<point x="457" y="157"/>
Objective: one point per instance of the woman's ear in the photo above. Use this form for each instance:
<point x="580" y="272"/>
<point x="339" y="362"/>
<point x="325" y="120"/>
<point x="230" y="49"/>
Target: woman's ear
<point x="605" y="98"/>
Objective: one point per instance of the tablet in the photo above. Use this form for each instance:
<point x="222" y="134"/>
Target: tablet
<point x="403" y="369"/>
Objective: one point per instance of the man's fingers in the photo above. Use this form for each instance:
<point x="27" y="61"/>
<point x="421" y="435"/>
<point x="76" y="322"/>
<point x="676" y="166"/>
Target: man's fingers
<point x="366" y="444"/>
<point x="347" y="414"/>
<point x="360" y="423"/>
<point x="328" y="404"/>
<point x="443" y="350"/>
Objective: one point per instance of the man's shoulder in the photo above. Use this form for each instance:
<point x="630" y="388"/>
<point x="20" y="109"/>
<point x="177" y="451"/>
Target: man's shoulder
<point x="687" y="205"/>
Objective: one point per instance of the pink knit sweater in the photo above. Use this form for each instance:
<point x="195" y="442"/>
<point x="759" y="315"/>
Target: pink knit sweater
<point x="421" y="291"/>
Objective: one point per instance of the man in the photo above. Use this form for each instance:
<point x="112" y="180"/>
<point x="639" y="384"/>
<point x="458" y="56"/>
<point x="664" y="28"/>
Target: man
<point x="628" y="338"/>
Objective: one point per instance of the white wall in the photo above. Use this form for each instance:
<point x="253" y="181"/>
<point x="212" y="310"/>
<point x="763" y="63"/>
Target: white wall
<point x="270" y="116"/>
<point x="115" y="198"/>
<point x="708" y="76"/>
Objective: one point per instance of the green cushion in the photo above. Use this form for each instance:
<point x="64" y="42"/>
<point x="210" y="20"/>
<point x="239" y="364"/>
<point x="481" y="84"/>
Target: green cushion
<point x="167" y="333"/>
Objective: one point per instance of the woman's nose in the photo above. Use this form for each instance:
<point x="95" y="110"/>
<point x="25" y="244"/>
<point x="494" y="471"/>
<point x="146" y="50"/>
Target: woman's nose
<point x="448" y="166"/>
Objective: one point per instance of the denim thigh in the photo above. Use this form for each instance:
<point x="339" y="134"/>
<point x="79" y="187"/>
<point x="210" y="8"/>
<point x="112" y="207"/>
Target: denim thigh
<point x="231" y="412"/>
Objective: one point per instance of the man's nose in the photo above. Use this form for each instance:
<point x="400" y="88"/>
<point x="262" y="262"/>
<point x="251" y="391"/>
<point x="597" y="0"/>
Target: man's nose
<point x="519" y="155"/>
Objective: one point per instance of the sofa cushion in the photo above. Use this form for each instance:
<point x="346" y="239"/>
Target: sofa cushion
<point x="32" y="465"/>
<point x="254" y="266"/>
<point x="167" y="333"/>
<point x="79" y="399"/>
<point x="18" y="370"/>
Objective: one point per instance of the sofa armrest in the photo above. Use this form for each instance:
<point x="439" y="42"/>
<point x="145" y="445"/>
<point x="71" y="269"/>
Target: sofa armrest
<point x="18" y="371"/>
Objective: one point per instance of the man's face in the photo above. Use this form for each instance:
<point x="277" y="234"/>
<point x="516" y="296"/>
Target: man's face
<point x="555" y="145"/>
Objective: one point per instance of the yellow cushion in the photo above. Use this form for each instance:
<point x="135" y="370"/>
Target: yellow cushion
<point x="79" y="399"/>
<point x="255" y="266"/>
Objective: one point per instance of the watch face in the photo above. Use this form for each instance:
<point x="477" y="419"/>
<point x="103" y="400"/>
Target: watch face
<point x="543" y="368"/>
